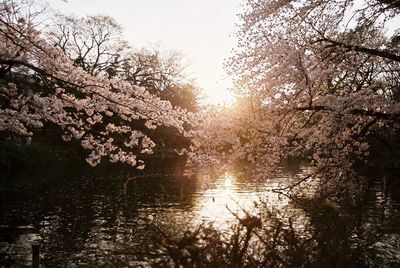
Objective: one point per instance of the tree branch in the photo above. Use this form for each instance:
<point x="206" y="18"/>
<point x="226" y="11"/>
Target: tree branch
<point x="369" y="51"/>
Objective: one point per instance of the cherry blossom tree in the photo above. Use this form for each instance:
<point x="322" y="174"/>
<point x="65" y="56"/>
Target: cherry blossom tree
<point x="317" y="80"/>
<point x="40" y="86"/>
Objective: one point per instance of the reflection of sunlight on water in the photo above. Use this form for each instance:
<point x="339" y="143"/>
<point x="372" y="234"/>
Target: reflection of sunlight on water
<point x="226" y="192"/>
<point x="97" y="228"/>
<point x="228" y="181"/>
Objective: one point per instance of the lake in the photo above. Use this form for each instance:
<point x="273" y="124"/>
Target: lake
<point x="84" y="218"/>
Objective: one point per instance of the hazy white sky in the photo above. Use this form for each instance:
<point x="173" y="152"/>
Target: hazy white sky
<point x="203" y="30"/>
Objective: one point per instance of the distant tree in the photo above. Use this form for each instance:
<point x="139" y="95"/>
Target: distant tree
<point x="154" y="69"/>
<point x="94" y="43"/>
<point x="184" y="95"/>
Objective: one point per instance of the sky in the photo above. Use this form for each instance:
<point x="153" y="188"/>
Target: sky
<point x="202" y="30"/>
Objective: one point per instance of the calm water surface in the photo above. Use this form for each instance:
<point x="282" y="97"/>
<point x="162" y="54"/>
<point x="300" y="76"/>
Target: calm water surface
<point x="84" y="219"/>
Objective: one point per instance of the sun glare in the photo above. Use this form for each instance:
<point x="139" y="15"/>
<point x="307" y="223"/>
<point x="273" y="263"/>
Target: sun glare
<point x="228" y="181"/>
<point x="219" y="97"/>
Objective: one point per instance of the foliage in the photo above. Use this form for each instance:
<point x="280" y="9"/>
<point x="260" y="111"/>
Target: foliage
<point x="41" y="86"/>
<point x="14" y="154"/>
<point x="317" y="80"/>
<point x="274" y="238"/>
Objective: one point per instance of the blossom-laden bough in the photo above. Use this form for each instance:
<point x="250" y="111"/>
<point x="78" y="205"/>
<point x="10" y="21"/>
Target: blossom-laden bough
<point x="317" y="80"/>
<point x="40" y="85"/>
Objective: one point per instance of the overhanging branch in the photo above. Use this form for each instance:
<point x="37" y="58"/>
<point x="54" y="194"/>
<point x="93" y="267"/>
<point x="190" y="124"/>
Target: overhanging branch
<point x="369" y="51"/>
<point x="356" y="111"/>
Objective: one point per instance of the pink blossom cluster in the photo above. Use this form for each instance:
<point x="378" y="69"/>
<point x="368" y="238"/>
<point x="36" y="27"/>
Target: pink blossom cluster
<point x="98" y="111"/>
<point x="317" y="80"/>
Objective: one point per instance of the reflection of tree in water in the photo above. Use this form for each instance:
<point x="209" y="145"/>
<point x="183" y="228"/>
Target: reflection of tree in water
<point x="333" y="236"/>
<point x="338" y="236"/>
<point x="89" y="221"/>
<point x="73" y="213"/>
